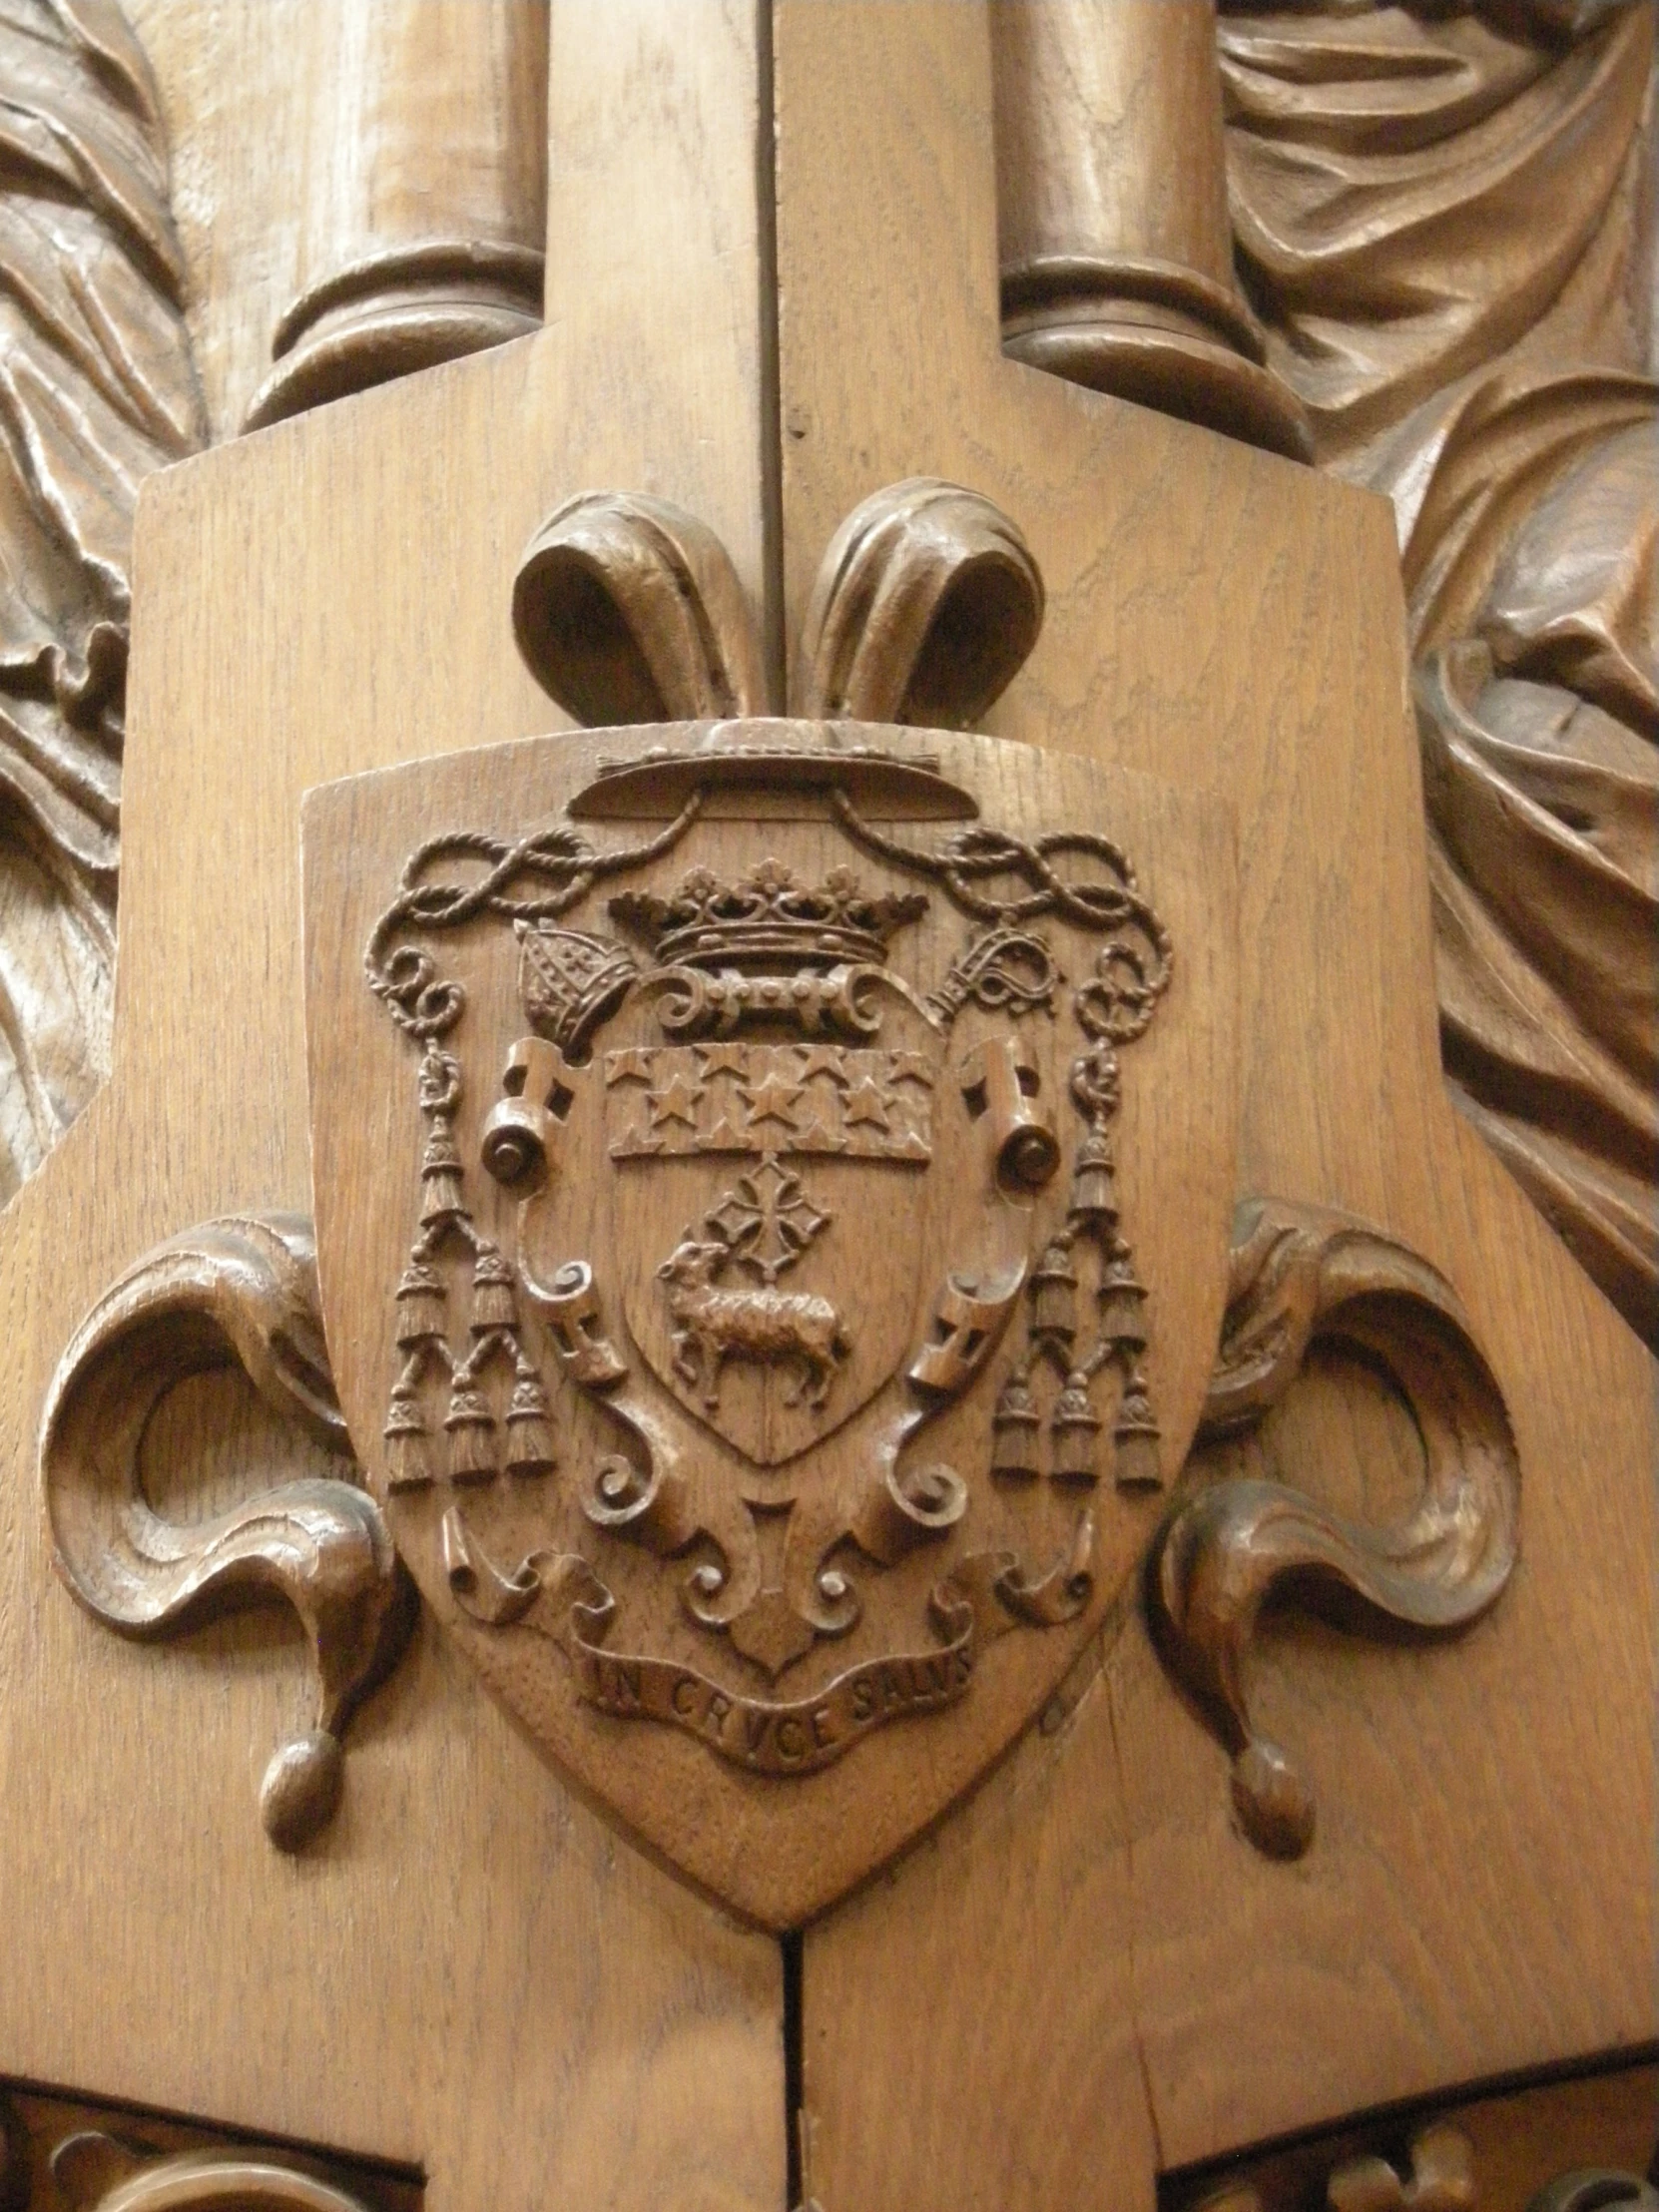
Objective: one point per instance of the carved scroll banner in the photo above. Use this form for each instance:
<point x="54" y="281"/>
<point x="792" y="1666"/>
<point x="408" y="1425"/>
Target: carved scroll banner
<point x="772" y="1178"/>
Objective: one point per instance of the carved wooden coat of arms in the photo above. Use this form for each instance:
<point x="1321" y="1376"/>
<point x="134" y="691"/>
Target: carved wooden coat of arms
<point x="773" y="1180"/>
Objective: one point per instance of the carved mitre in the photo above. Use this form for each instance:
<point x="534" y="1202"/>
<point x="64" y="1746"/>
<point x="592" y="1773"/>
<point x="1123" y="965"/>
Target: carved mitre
<point x="773" y="1180"/>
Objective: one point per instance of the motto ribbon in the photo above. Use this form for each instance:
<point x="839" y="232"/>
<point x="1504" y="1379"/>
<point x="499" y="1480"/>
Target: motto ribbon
<point x="559" y="1596"/>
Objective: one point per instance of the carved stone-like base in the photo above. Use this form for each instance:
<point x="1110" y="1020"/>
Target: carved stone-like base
<point x="1157" y="334"/>
<point x="394" y="314"/>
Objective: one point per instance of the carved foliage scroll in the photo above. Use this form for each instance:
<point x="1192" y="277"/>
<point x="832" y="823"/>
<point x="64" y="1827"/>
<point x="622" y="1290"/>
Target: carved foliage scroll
<point x="243" y="1291"/>
<point x="1301" y="1276"/>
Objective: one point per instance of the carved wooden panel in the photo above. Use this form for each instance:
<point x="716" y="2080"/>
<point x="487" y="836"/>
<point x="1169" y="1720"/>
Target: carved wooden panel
<point x="1090" y="1973"/>
<point x="467" y="1973"/>
<point x="64" y="2153"/>
<point x="1215" y="1997"/>
<point x="1589" y="2140"/>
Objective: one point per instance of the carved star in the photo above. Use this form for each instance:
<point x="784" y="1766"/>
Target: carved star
<point x="721" y="1138"/>
<point x="772" y="1098"/>
<point x="634" y="1142"/>
<point x="867" y="1102"/>
<point x="724" y="1060"/>
<point x="910" y="1067"/>
<point x="821" y="1059"/>
<point x="817" y="1136"/>
<point x="635" y="1063"/>
<point x="678" y="1100"/>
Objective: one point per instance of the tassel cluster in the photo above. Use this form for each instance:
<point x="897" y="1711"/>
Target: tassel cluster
<point x="1083" y="1361"/>
<point x="477" y="1441"/>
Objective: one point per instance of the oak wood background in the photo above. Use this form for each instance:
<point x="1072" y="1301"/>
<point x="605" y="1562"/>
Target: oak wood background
<point x="1087" y="1974"/>
<point x="471" y="1973"/>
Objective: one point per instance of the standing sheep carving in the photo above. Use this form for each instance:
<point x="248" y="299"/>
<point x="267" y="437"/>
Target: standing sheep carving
<point x="712" y="1326"/>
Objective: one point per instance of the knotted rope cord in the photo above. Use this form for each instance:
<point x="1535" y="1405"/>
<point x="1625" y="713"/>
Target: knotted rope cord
<point x="1130" y="976"/>
<point x="407" y="980"/>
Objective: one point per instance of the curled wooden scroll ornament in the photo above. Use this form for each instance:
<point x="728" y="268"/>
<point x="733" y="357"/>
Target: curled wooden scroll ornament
<point x="926" y="607"/>
<point x="628" y="610"/>
<point x="1301" y="1276"/>
<point x="95" y="2172"/>
<point x="238" y="1292"/>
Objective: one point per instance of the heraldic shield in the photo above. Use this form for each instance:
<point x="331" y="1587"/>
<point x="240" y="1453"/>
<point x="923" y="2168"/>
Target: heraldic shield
<point x="773" y="1181"/>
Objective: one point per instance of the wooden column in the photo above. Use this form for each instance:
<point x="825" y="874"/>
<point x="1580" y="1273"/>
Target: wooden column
<point x="1115" y="245"/>
<point x="423" y="194"/>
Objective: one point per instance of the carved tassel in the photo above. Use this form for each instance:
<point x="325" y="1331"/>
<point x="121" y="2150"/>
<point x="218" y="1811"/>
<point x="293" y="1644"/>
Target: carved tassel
<point x="1054" y="1296"/>
<point x="1094" y="1198"/>
<point x="1122" y="1301"/>
<point x="471" y="1429"/>
<point x="440" y="1177"/>
<point x="493" y="1304"/>
<point x="420" y="1305"/>
<point x="1075" y="1427"/>
<point x="529" y="1438"/>
<point x="1014" y="1426"/>
<point x="1136" y="1436"/>
<point x="408" y="1461"/>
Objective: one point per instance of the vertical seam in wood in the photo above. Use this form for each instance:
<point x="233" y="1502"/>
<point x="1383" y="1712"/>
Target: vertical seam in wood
<point x="1130" y="1923"/>
<point x="772" y="454"/>
<point x="795" y="2031"/>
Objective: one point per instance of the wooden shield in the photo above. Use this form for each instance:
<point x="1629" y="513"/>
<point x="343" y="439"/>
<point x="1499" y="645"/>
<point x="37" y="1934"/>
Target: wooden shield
<point x="771" y="1182"/>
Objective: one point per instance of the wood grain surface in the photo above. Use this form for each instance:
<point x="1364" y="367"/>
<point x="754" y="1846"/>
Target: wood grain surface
<point x="470" y="1974"/>
<point x="1086" y="1976"/>
<point x="1089" y="1965"/>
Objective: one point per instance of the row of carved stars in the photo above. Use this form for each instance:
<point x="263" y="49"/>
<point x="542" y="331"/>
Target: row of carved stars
<point x="774" y="1084"/>
<point x="843" y="1064"/>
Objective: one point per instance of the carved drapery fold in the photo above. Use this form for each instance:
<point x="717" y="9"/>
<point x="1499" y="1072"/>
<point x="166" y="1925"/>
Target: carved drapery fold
<point x="243" y="1292"/>
<point x="96" y="388"/>
<point x="1301" y="1276"/>
<point x="1443" y="217"/>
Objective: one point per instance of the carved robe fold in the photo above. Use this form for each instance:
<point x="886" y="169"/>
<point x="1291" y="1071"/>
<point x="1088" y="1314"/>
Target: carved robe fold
<point x="1445" y="213"/>
<point x="96" y="388"/>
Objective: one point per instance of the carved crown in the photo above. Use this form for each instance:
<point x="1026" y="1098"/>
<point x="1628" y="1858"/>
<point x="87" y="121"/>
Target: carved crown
<point x="768" y="920"/>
